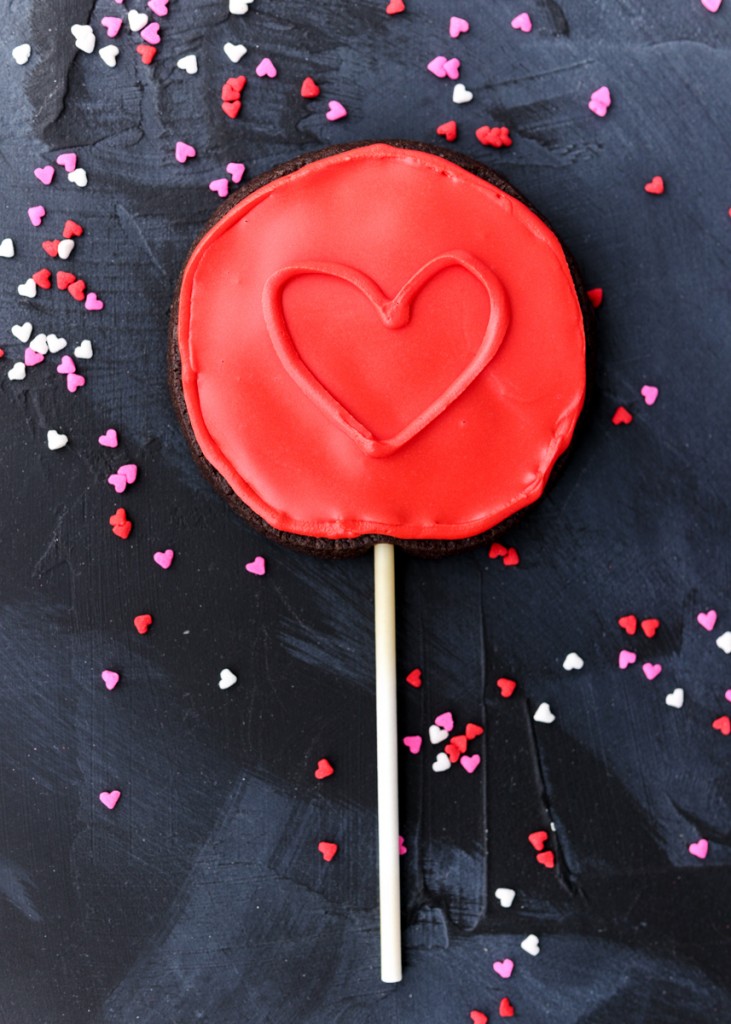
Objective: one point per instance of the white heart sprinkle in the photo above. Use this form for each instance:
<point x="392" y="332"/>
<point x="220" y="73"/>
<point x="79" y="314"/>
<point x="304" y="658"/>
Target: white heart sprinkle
<point x="66" y="246"/>
<point x="78" y="177"/>
<point x="84" y="36"/>
<point x="22" y="331"/>
<point x="544" y="714"/>
<point x="17" y="371"/>
<point x="442" y="763"/>
<point x="55" y="344"/>
<point x="84" y="350"/>
<point x="28" y="290"/>
<point x="21" y="54"/>
<point x="189" y="63"/>
<point x="505" y="897"/>
<point x="239" y="6"/>
<point x="7" y="248"/>
<point x="437" y="735"/>
<point x="56" y="440"/>
<point x="226" y="679"/>
<point x="676" y="698"/>
<point x="531" y="945"/>
<point x="40" y="344"/>
<point x="573" y="661"/>
<point x="137" y="20"/>
<point x="461" y="95"/>
<point x="724" y="642"/>
<point x="234" y="51"/>
<point x="109" y="55"/>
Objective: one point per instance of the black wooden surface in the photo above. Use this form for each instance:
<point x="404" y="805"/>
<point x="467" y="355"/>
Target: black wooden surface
<point x="201" y="895"/>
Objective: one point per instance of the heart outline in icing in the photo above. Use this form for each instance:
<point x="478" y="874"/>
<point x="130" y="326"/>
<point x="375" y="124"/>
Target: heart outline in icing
<point x="394" y="313"/>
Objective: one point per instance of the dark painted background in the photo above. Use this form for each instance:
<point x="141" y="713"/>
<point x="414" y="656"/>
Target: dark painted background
<point x="202" y="896"/>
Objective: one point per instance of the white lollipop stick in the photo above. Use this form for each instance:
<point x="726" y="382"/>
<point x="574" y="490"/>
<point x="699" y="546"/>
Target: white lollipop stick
<point x="387" y="762"/>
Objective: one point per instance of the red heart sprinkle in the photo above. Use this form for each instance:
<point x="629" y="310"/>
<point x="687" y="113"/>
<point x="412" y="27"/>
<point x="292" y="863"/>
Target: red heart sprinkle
<point x="621" y="415"/>
<point x="506" y="687"/>
<point x="495" y="137"/>
<point x="64" y="279"/>
<point x="414" y="678"/>
<point x="309" y="89"/>
<point x="50" y="247"/>
<point x="147" y="53"/>
<point x="142" y="623"/>
<point x="460" y="742"/>
<point x="538" y="839"/>
<point x="656" y="187"/>
<point x="512" y="557"/>
<point x="42" y="278"/>
<point x="506" y="1008"/>
<point x="723" y="725"/>
<point x="77" y="289"/>
<point x="328" y="850"/>
<point x="121" y="525"/>
<point x="324" y="769"/>
<point x="629" y="624"/>
<point x="650" y="626"/>
<point x="72" y="230"/>
<point x="477" y="1017"/>
<point x="448" y="130"/>
<point x="595" y="297"/>
<point x="231" y="109"/>
<point x="497" y="551"/>
<point x="395" y="7"/>
<point x="2" y="352"/>
<point x="452" y="752"/>
<point x="547" y="859"/>
<point x="472" y="730"/>
<point x="233" y="87"/>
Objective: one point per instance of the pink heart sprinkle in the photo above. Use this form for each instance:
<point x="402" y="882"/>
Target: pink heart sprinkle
<point x="627" y="658"/>
<point x="67" y="365"/>
<point x="699" y="849"/>
<point x="503" y="967"/>
<point x="236" y="171"/>
<point x="158" y="7"/>
<point x="151" y="33"/>
<point x="265" y="69"/>
<point x="32" y="358"/>
<point x="164" y="558"/>
<point x="445" y="721"/>
<point x="110" y="799"/>
<point x="457" y="26"/>
<point x="451" y="68"/>
<point x="335" y="110"/>
<point x="74" y="381"/>
<point x="36" y="215"/>
<point x="68" y="161"/>
<point x="220" y="185"/>
<point x="522" y="22"/>
<point x="707" y="619"/>
<point x="45" y="174"/>
<point x="110" y="678"/>
<point x="401" y="846"/>
<point x="712" y="5"/>
<point x="129" y="472"/>
<point x="184" y="151"/>
<point x="727" y="695"/>
<point x="469" y="762"/>
<point x="258" y="567"/>
<point x="649" y="392"/>
<point x="93" y="301"/>
<point x="600" y="101"/>
<point x="413" y="743"/>
<point x="109" y="439"/>
<point x="436" y="66"/>
<point x="112" y="25"/>
<point x="118" y="482"/>
<point x="651" y="671"/>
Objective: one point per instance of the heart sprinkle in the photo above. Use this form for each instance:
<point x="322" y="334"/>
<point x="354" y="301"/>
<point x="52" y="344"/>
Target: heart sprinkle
<point x="724" y="642"/>
<point x="55" y="440"/>
<point x="503" y="967"/>
<point x="328" y="850"/>
<point x="506" y="1008"/>
<point x="265" y="69"/>
<point x="189" y="64"/>
<point x="442" y="763"/>
<point x="36" y="215"/>
<point x="573" y="662"/>
<point x="707" y="619"/>
<point x="651" y="671"/>
<point x="496" y="137"/>
<point x="461" y="95"/>
<point x="699" y="849"/>
<point x="402" y="848"/>
<point x="506" y="687"/>
<point x="395" y="7"/>
<point x="522" y="22"/>
<point x="21" y="53"/>
<point x="120" y="524"/>
<point x="470" y="762"/>
<point x="236" y="171"/>
<point x="335" y="111"/>
<point x="547" y="859"/>
<point x="110" y="799"/>
<point x="413" y="743"/>
<point x="457" y="26"/>
<point x="258" y="567"/>
<point x="649" y="392"/>
<point x="184" y="151"/>
<point x="649" y="627"/>
<point x="110" y="678"/>
<point x="544" y="714"/>
<point x="142" y="623"/>
<point x="414" y="678"/>
<point x="600" y="101"/>
<point x="505" y="897"/>
<point x="437" y="735"/>
<point x="226" y="679"/>
<point x="538" y="839"/>
<point x="722" y="725"/>
<point x="45" y="174"/>
<point x="448" y="130"/>
<point x="164" y="558"/>
<point x="109" y="439"/>
<point x="626" y="658"/>
<point x="478" y="1017"/>
<point x="531" y="945"/>
<point x="445" y="721"/>
<point x="628" y="623"/>
<point x="220" y="185"/>
<point x="676" y="698"/>
<point x="324" y="769"/>
<point x="656" y="186"/>
<point x="621" y="416"/>
<point x="309" y="90"/>
<point x="595" y="297"/>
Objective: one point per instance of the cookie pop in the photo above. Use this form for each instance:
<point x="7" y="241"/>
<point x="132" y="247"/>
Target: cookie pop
<point x="379" y="345"/>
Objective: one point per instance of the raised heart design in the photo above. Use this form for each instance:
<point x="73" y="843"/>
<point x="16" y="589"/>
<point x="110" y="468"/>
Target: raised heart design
<point x="394" y="313"/>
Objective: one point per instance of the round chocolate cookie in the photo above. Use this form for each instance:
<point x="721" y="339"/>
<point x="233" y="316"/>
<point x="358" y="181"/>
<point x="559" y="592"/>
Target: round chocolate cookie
<point x="379" y="342"/>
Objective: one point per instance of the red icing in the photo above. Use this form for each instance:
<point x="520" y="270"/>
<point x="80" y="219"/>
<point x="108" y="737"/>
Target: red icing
<point x="381" y="342"/>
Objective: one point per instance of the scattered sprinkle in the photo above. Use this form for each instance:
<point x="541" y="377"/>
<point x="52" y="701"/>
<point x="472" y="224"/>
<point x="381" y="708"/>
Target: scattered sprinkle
<point x="649" y="392"/>
<point x="544" y="715"/>
<point x="142" y="623"/>
<point x="712" y="5"/>
<point x="504" y="967"/>
<point x="184" y="151"/>
<point x="442" y="763"/>
<point x="445" y="721"/>
<point x="125" y="475"/>
<point x="395" y="7"/>
<point x="328" y="850"/>
<point x="309" y="89"/>
<point x="448" y="130"/>
<point x="621" y="416"/>
<point x="164" y="558"/>
<point x="220" y="185"/>
<point x="724" y="642"/>
<point x="45" y="174"/>
<point x="649" y="627"/>
<point x="84" y="37"/>
<point x="707" y="619"/>
<point x="21" y="53"/>
<point x="234" y="51"/>
<point x="413" y="743"/>
<point x="626" y="658"/>
<point x="414" y="678"/>
<point x="478" y="1017"/>
<point x="54" y="439"/>
<point x="189" y="64"/>
<point x="324" y="769"/>
<point x="522" y="22"/>
<point x="335" y="111"/>
<point x="676" y="698"/>
<point x="110" y="799"/>
<point x="470" y="762"/>
<point x="656" y="186"/>
<point x="595" y="297"/>
<point x="505" y="897"/>
<point x="110" y="678"/>
<point x="265" y="68"/>
<point x="7" y="248"/>
<point x="112" y="25"/>
<point x="36" y="215"/>
<point x="437" y="734"/>
<point x="109" y="54"/>
<point x="573" y="662"/>
<point x="699" y="849"/>
<point x="258" y="567"/>
<point x="120" y="524"/>
<point x="722" y="725"/>
<point x="236" y="171"/>
<point x="495" y="137"/>
<point x="226" y="679"/>
<point x="628" y="623"/>
<point x="600" y="101"/>
<point x="461" y="95"/>
<point x="531" y="945"/>
<point x="457" y="26"/>
<point x="651" y="671"/>
<point x="506" y="1008"/>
